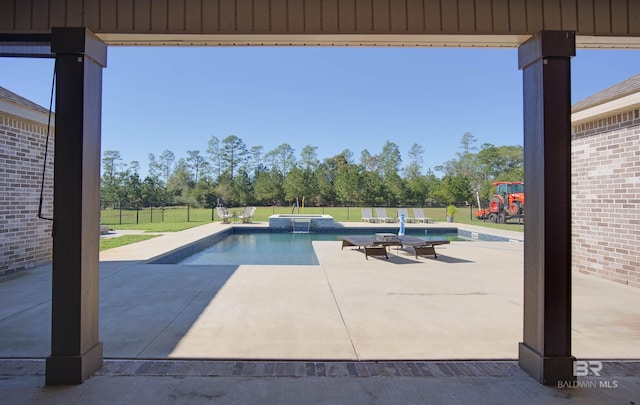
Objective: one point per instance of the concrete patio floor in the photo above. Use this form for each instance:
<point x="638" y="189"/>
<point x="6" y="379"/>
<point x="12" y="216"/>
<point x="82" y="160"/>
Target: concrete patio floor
<point x="465" y="305"/>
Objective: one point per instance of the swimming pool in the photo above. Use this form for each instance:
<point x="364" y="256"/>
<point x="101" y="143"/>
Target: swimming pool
<point x="278" y="248"/>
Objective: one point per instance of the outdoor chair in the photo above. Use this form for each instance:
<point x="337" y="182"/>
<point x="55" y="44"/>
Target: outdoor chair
<point x="422" y="247"/>
<point x="223" y="214"/>
<point x="418" y="213"/>
<point x="367" y="216"/>
<point x="382" y="215"/>
<point x="405" y="212"/>
<point x="372" y="247"/>
<point x="247" y="214"/>
<point x="375" y="251"/>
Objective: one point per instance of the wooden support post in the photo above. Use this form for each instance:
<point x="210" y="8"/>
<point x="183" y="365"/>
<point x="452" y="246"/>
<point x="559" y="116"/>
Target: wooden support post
<point x="545" y="352"/>
<point x="76" y="353"/>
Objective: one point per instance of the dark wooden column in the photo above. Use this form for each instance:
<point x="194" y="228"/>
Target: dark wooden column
<point x="76" y="352"/>
<point x="545" y="352"/>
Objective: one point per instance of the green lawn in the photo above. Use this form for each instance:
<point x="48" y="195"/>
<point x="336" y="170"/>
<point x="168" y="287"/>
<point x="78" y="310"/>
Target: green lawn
<point x="354" y="214"/>
<point x="110" y="243"/>
<point x="160" y="226"/>
<point x="175" y="218"/>
<point x="156" y="215"/>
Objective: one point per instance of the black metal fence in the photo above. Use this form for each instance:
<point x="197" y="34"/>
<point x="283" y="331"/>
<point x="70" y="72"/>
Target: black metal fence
<point x="143" y="215"/>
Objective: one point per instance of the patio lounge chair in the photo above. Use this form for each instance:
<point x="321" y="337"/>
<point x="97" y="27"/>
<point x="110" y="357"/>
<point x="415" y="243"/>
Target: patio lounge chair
<point x="418" y="213"/>
<point x="247" y="214"/>
<point x="382" y="215"/>
<point x="374" y="250"/>
<point x="405" y="212"/>
<point x="372" y="247"/>
<point x="367" y="216"/>
<point x="422" y="247"/>
<point x="223" y="214"/>
<point x="375" y="247"/>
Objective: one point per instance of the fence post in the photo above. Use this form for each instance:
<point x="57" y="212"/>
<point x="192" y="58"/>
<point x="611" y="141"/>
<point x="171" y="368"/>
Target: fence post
<point x="188" y="213"/>
<point x="120" y="207"/>
<point x="137" y="214"/>
<point x="212" y="214"/>
<point x="151" y="213"/>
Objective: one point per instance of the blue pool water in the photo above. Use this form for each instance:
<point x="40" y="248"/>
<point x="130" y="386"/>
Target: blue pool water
<point x="275" y="248"/>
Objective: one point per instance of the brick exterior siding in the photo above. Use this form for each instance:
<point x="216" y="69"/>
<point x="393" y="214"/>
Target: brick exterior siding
<point x="25" y="240"/>
<point x="605" y="156"/>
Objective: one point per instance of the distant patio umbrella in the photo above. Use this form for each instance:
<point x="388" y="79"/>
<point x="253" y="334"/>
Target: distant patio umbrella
<point x="401" y="232"/>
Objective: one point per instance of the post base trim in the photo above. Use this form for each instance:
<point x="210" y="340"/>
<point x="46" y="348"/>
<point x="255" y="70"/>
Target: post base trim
<point x="547" y="370"/>
<point x="66" y="370"/>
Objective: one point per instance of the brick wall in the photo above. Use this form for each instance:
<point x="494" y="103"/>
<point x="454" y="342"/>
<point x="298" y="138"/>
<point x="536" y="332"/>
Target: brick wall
<point x="25" y="240"/>
<point x="605" y="196"/>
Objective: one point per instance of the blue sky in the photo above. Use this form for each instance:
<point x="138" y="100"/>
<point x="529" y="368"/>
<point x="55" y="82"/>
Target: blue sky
<point x="333" y="98"/>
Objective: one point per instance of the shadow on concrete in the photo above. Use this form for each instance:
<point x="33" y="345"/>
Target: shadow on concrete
<point x="407" y="257"/>
<point x="25" y="313"/>
<point x="451" y="260"/>
<point x="144" y="310"/>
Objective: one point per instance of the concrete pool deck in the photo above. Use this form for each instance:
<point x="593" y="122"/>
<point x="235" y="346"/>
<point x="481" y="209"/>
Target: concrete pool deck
<point x="467" y="304"/>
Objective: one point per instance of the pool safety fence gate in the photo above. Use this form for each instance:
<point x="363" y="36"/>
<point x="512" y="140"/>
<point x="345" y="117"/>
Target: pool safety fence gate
<point x="300" y="225"/>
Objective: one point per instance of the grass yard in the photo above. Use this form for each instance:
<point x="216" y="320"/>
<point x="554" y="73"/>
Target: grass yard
<point x="110" y="243"/>
<point x="175" y="219"/>
<point x="159" y="226"/>
<point x="354" y="214"/>
<point x="111" y="216"/>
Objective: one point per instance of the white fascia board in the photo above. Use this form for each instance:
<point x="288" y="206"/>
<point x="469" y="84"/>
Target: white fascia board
<point x="621" y="104"/>
<point x="25" y="113"/>
<point x="381" y="40"/>
<point x="355" y="40"/>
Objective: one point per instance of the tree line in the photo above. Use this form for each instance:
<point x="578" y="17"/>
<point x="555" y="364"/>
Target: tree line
<point x="231" y="172"/>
